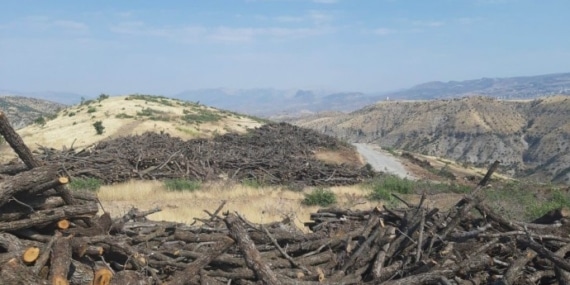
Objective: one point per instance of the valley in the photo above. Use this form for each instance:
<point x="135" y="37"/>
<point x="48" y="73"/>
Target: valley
<point x="530" y="138"/>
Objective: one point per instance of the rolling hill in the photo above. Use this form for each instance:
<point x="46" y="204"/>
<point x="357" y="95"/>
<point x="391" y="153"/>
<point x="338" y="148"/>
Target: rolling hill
<point x="23" y="111"/>
<point x="129" y="115"/>
<point x="531" y="138"/>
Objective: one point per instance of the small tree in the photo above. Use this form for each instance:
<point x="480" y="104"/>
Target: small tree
<point x="102" y="97"/>
<point x="99" y="128"/>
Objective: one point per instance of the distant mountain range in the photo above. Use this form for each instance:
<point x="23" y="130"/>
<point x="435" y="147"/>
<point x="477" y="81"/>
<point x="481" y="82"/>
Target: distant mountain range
<point x="271" y="102"/>
<point x="527" y="87"/>
<point x="268" y="102"/>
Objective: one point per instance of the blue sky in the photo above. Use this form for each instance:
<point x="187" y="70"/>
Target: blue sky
<point x="166" y="47"/>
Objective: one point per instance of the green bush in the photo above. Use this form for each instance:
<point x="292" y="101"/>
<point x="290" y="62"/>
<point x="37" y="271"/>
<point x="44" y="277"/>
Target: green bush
<point x="123" y="116"/>
<point x="182" y="185"/>
<point x="252" y="183"/>
<point x="320" y="197"/>
<point x="40" y="121"/>
<point x="203" y="116"/>
<point x="557" y="199"/>
<point x="91" y="110"/>
<point x="91" y="184"/>
<point x="102" y="97"/>
<point x="99" y="128"/>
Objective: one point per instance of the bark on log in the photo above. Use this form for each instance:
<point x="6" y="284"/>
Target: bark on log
<point x="129" y="277"/>
<point x="52" y="215"/>
<point x="14" y="272"/>
<point x="251" y="255"/>
<point x="60" y="261"/>
<point x="16" y="142"/>
<point x="25" y="181"/>
<point x="194" y="268"/>
<point x="12" y="247"/>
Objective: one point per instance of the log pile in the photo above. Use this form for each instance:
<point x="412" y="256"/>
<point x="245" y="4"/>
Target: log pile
<point x="274" y="154"/>
<point x="48" y="239"/>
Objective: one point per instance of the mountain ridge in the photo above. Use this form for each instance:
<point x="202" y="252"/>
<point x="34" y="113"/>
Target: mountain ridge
<point x="529" y="137"/>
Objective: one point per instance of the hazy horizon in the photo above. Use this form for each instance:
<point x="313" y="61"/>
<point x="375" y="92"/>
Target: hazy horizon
<point x="366" y="46"/>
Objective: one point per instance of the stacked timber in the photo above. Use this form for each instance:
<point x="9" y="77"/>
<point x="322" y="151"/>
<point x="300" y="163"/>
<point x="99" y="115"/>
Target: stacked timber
<point x="274" y="154"/>
<point x="49" y="235"/>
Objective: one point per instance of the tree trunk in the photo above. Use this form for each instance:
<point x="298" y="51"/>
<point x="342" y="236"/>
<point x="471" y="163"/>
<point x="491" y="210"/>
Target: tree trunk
<point x="60" y="261"/>
<point x="251" y="255"/>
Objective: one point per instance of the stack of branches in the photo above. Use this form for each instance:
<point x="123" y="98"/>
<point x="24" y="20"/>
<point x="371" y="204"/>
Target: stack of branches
<point x="274" y="154"/>
<point x="51" y="236"/>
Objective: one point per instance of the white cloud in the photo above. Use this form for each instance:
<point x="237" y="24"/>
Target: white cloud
<point x="70" y="25"/>
<point x="383" y="31"/>
<point x="43" y="24"/>
<point x="217" y="34"/>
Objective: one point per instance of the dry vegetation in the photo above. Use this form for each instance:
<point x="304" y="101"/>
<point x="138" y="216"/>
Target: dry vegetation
<point x="51" y="235"/>
<point x="530" y="138"/>
<point x="262" y="204"/>
<point x="130" y="115"/>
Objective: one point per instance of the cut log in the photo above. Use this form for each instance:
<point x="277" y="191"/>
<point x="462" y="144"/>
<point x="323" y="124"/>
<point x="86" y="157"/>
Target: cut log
<point x="194" y="268"/>
<point x="25" y="181"/>
<point x="45" y="254"/>
<point x="24" y="153"/>
<point x="15" y="273"/>
<point x="60" y="261"/>
<point x="251" y="255"/>
<point x="103" y="276"/>
<point x="63" y="224"/>
<point x="16" y="142"/>
<point x="52" y="215"/>
<point x="129" y="277"/>
<point x="31" y="254"/>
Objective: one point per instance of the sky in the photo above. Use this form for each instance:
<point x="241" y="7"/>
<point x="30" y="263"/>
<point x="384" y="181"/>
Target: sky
<point x="166" y="47"/>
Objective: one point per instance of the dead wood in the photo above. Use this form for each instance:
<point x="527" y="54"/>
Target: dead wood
<point x="60" y="260"/>
<point x="251" y="255"/>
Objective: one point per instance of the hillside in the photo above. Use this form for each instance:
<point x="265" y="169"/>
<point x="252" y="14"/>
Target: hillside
<point x="130" y="115"/>
<point x="529" y="137"/>
<point x="23" y="111"/>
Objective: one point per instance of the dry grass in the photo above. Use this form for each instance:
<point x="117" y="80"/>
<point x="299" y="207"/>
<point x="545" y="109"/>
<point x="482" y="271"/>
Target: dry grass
<point x="260" y="205"/>
<point x="345" y="156"/>
<point x="74" y="125"/>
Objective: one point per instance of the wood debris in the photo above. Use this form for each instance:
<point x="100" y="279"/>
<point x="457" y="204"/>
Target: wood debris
<point x="44" y="239"/>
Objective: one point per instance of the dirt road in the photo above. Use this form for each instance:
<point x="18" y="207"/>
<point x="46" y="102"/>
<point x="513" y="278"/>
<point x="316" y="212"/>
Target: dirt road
<point x="382" y="160"/>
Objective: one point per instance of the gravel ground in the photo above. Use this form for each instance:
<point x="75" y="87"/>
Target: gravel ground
<point x="382" y="160"/>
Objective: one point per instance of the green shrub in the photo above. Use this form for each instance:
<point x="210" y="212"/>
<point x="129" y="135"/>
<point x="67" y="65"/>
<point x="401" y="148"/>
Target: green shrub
<point x="99" y="128"/>
<point x="203" y="116"/>
<point x="40" y="121"/>
<point x="557" y="199"/>
<point x="252" y="183"/>
<point x="123" y="116"/>
<point x="320" y="197"/>
<point x="182" y="185"/>
<point x="91" y="109"/>
<point x="102" y="97"/>
<point x="91" y="184"/>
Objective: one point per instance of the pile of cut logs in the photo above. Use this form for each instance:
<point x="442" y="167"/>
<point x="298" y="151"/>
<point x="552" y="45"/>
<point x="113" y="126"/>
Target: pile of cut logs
<point x="274" y="154"/>
<point x="49" y="235"/>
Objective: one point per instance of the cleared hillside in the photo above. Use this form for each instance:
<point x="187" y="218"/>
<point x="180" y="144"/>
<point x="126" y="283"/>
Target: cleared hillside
<point x="131" y="115"/>
<point x="529" y="137"/>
